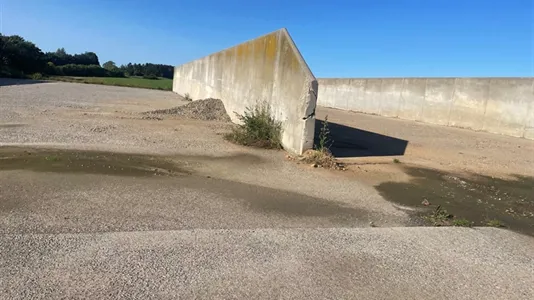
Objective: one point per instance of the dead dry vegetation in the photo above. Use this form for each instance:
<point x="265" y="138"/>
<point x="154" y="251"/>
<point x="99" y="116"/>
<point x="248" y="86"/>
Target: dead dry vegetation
<point x="321" y="156"/>
<point x="321" y="159"/>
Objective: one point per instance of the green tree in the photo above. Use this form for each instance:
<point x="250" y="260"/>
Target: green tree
<point x="21" y="55"/>
<point x="3" y="60"/>
<point x="86" y="58"/>
<point x="110" y="65"/>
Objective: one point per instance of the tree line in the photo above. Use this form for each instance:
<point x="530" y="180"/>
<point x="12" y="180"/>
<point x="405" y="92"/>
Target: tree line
<point x="22" y="58"/>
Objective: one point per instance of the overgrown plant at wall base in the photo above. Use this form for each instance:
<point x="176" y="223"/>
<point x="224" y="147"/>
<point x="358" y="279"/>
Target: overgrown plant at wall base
<point x="324" y="138"/>
<point x="321" y="155"/>
<point x="258" y="128"/>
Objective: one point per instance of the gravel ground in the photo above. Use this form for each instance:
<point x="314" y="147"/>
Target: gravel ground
<point x="231" y="227"/>
<point x="205" y="110"/>
<point x="376" y="263"/>
<point x="440" y="147"/>
<point x="114" y="123"/>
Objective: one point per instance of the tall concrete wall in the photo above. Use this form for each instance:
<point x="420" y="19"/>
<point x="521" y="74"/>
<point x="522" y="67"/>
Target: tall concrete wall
<point x="268" y="69"/>
<point x="497" y="105"/>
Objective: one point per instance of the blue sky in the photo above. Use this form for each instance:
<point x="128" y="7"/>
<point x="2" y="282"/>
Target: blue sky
<point x="352" y="38"/>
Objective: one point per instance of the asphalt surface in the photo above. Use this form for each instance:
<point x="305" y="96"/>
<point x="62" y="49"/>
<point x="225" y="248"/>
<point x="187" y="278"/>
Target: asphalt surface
<point x="236" y="224"/>
<point x="34" y="202"/>
<point x="338" y="263"/>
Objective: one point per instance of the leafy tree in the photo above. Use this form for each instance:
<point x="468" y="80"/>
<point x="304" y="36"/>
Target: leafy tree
<point x="3" y="59"/>
<point x="60" y="52"/>
<point x="19" y="57"/>
<point x="60" y="58"/>
<point x="148" y="69"/>
<point x="22" y="55"/>
<point x="86" y="58"/>
<point x="110" y="65"/>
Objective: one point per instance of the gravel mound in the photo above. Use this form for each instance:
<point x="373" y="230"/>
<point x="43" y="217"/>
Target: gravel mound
<point x="207" y="110"/>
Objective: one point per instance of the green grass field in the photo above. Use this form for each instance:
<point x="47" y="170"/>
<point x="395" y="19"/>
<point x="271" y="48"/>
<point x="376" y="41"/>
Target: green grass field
<point x="158" y="84"/>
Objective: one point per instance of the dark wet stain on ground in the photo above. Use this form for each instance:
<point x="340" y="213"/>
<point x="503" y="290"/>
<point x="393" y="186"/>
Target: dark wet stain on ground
<point x="110" y="163"/>
<point x="12" y="125"/>
<point x="477" y="198"/>
<point x="298" y="205"/>
<point x="255" y="203"/>
<point x="88" y="162"/>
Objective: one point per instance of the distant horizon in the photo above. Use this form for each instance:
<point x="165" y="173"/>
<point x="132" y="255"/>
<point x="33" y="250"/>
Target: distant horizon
<point x="360" y="39"/>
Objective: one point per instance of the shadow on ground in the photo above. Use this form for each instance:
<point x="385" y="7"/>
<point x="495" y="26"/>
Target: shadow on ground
<point x="480" y="200"/>
<point x="351" y="142"/>
<point x="12" y="81"/>
<point x="153" y="193"/>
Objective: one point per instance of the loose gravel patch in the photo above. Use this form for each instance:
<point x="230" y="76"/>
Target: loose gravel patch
<point x="206" y="110"/>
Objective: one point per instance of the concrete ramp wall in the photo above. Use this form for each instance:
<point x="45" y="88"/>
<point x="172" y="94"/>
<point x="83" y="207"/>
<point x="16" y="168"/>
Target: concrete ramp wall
<point x="497" y="105"/>
<point x="267" y="69"/>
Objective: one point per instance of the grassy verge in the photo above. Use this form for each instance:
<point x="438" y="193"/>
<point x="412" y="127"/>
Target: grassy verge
<point x="157" y="84"/>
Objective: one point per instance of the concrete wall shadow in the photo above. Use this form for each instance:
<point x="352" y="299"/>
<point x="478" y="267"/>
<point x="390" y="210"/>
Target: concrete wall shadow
<point x="353" y="142"/>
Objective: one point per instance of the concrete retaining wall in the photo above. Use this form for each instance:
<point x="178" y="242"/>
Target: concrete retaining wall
<point x="497" y="105"/>
<point x="267" y="69"/>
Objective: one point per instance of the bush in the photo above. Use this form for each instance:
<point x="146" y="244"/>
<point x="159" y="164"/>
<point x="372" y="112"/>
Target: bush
<point x="37" y="76"/>
<point x="81" y="71"/>
<point x="116" y="73"/>
<point x="462" y="223"/>
<point x="259" y="129"/>
<point x="321" y="155"/>
<point x="51" y="69"/>
<point x="495" y="223"/>
<point x="8" y="72"/>
<point x="321" y="159"/>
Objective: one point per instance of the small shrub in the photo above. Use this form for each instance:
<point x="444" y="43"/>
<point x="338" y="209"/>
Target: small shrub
<point x="495" y="223"/>
<point x="187" y="97"/>
<point x="8" y="72"/>
<point x="37" y="76"/>
<point x="323" y="159"/>
<point x="440" y="217"/>
<point x="51" y="69"/>
<point x="52" y="158"/>
<point x="321" y="155"/>
<point x="462" y="223"/>
<point x="395" y="160"/>
<point x="258" y="129"/>
<point x="324" y="138"/>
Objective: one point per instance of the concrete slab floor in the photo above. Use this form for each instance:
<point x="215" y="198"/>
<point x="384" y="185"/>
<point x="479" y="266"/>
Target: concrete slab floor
<point x="179" y="212"/>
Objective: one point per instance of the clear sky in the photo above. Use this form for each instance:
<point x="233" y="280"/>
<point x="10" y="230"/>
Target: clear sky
<point x="350" y="38"/>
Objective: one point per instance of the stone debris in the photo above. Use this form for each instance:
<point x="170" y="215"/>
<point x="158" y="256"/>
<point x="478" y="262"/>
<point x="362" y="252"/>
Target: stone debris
<point x="206" y="110"/>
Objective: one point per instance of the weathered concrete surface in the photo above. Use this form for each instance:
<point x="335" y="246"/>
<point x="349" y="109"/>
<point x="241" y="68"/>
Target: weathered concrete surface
<point x="508" y="105"/>
<point x="470" y="96"/>
<point x="267" y="69"/>
<point x="389" y="97"/>
<point x="438" y="99"/>
<point x="336" y="263"/>
<point x="239" y="232"/>
<point x="496" y="105"/>
<point x="412" y="99"/>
